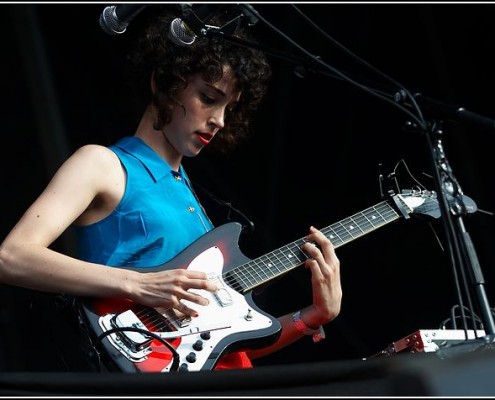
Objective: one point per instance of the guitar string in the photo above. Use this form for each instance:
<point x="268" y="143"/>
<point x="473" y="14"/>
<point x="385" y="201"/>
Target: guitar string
<point x="248" y="275"/>
<point x="245" y="271"/>
<point x="151" y="316"/>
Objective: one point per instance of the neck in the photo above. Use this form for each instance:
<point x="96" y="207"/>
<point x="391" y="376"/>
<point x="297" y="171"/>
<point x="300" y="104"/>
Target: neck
<point x="156" y="139"/>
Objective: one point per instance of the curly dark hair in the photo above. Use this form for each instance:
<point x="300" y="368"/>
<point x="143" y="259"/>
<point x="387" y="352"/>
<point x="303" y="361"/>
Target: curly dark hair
<point x="172" y="65"/>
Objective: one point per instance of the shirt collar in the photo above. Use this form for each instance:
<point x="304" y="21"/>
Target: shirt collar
<point x="154" y="164"/>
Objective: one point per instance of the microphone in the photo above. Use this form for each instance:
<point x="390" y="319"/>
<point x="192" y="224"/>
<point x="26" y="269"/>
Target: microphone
<point x="115" y="19"/>
<point x="192" y="23"/>
<point x="449" y="111"/>
<point x="180" y="33"/>
<point x="184" y="30"/>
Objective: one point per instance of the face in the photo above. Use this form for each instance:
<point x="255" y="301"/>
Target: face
<point x="205" y="106"/>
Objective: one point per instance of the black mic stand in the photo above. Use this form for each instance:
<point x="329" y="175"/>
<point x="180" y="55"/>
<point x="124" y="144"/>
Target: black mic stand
<point x="462" y="251"/>
<point x="461" y="248"/>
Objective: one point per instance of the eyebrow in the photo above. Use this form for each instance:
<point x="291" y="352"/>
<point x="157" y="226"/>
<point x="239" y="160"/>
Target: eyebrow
<point x="221" y="92"/>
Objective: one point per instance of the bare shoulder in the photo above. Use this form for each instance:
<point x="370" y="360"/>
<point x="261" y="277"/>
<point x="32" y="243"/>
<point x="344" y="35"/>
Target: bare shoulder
<point x="95" y="175"/>
<point x="95" y="153"/>
<point x="91" y="165"/>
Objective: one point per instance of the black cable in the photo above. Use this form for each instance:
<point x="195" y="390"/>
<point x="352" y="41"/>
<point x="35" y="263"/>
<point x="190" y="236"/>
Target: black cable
<point x="371" y="91"/>
<point x="453" y="317"/>
<point x="175" y="355"/>
<point x="361" y="61"/>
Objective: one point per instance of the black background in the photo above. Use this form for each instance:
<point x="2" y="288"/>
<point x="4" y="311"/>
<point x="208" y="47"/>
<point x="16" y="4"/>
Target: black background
<point x="314" y="157"/>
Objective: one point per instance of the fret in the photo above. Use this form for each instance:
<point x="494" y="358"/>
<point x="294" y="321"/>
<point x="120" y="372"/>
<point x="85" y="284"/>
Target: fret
<point x="253" y="273"/>
<point x="275" y="263"/>
<point x="278" y="266"/>
<point x="382" y="213"/>
<point x="296" y="255"/>
<point x="333" y="236"/>
<point x="343" y="232"/>
<point x="272" y="264"/>
<point x="362" y="223"/>
<point x="351" y="227"/>
<point x="370" y="217"/>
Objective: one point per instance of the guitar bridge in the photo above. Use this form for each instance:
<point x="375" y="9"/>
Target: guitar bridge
<point x="135" y="346"/>
<point x="176" y="319"/>
<point x="130" y="327"/>
<point x="128" y="319"/>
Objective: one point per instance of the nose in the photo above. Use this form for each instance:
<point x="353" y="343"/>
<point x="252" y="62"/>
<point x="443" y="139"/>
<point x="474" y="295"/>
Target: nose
<point x="217" y="118"/>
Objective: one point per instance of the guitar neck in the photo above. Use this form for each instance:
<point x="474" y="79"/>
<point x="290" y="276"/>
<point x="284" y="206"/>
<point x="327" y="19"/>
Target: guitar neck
<point x="278" y="262"/>
<point x="360" y="224"/>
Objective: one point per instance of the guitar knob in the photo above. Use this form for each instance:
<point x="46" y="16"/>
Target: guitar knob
<point x="205" y="335"/>
<point x="191" y="357"/>
<point x="198" y="345"/>
<point x="183" y="367"/>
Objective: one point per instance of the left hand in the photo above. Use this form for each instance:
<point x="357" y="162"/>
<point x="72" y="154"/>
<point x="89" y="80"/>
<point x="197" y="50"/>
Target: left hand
<point x="325" y="280"/>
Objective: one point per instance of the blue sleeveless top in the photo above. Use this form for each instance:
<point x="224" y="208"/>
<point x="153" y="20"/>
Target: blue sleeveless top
<point x="158" y="216"/>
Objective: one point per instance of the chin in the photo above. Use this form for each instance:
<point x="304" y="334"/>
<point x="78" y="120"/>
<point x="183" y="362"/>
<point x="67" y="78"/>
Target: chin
<point x="193" y="153"/>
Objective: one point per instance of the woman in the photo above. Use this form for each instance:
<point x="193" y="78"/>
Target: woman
<point x="132" y="203"/>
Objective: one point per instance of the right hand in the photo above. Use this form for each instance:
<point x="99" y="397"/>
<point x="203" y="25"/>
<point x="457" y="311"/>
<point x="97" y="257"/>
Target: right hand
<point x="168" y="289"/>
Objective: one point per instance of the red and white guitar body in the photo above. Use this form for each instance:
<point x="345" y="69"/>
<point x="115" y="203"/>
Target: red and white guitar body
<point x="230" y="321"/>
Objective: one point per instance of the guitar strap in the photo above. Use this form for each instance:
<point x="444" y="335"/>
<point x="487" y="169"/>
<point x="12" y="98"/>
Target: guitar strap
<point x="224" y="211"/>
<point x="228" y="214"/>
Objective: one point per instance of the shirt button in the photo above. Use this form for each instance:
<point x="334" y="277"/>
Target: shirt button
<point x="191" y="209"/>
<point x="178" y="178"/>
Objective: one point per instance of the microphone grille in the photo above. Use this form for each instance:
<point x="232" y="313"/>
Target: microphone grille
<point x="180" y="34"/>
<point x="110" y="23"/>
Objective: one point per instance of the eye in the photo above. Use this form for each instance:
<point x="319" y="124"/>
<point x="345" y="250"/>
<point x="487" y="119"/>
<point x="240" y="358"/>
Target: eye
<point x="207" y="99"/>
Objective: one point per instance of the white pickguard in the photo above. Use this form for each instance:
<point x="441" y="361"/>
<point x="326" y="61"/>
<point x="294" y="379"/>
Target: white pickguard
<point x="226" y="314"/>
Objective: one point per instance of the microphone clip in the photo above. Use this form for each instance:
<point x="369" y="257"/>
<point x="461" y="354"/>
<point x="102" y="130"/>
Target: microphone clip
<point x="197" y="20"/>
<point x="194" y="23"/>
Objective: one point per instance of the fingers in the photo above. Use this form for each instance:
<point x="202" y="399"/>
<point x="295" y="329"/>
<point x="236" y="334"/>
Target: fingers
<point x="198" y="280"/>
<point x="183" y="308"/>
<point x="186" y="280"/>
<point x="325" y="276"/>
<point x="193" y="297"/>
<point x="179" y="289"/>
<point x="317" y="244"/>
<point x="320" y="250"/>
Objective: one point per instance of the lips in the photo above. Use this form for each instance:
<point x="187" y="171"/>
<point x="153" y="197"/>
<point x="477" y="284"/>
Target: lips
<point x="205" y="137"/>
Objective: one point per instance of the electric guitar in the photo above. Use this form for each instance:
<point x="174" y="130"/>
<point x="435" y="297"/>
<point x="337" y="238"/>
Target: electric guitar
<point x="143" y="339"/>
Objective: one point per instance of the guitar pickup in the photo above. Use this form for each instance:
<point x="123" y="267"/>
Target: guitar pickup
<point x="222" y="295"/>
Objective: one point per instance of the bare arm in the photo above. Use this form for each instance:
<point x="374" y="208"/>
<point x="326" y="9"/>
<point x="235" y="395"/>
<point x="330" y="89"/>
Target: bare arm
<point x="92" y="175"/>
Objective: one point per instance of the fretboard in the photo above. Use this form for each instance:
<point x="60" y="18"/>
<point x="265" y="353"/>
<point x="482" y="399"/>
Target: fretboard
<point x="278" y="262"/>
